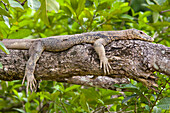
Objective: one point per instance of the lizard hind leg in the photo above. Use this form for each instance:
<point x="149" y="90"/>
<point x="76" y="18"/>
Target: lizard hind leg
<point x="35" y="52"/>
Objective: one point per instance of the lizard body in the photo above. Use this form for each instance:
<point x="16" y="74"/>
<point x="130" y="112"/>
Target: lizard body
<point x="61" y="43"/>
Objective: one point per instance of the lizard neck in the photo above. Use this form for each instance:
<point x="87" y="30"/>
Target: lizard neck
<point x="117" y="35"/>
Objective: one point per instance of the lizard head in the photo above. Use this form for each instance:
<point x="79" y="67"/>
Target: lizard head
<point x="141" y="35"/>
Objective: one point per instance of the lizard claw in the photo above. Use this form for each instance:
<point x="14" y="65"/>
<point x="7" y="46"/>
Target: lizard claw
<point x="105" y="64"/>
<point x="31" y="82"/>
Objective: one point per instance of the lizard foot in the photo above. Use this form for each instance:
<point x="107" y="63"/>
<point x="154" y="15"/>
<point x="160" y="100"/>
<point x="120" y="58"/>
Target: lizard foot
<point x="31" y="82"/>
<point x="105" y="64"/>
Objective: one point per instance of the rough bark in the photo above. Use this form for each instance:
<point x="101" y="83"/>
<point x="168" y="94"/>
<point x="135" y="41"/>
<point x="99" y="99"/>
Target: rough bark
<point x="129" y="59"/>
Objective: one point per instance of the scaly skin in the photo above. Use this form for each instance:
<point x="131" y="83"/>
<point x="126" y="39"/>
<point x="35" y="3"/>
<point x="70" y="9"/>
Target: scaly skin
<point x="61" y="43"/>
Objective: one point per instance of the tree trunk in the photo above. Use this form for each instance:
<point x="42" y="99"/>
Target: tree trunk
<point x="133" y="59"/>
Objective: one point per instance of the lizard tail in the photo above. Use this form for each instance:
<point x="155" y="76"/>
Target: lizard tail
<point x="18" y="43"/>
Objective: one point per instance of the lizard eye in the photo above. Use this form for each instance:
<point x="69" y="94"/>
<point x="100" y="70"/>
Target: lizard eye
<point x="141" y="32"/>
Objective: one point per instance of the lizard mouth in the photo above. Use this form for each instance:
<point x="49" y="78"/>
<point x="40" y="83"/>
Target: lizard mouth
<point x="148" y="38"/>
<point x="151" y="39"/>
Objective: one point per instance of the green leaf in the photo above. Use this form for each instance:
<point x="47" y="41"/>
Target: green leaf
<point x="74" y="4"/>
<point x="102" y="6"/>
<point x="27" y="107"/>
<point x="75" y="99"/>
<point x="4" y="30"/>
<point x="128" y="98"/>
<point x="44" y="95"/>
<point x="61" y="2"/>
<point x="17" y="86"/>
<point x="43" y="35"/>
<point x="83" y="102"/>
<point x="1" y="66"/>
<point x="164" y="103"/>
<point x="3" y="48"/>
<point x="32" y="96"/>
<point x="70" y="8"/>
<point x="18" y="95"/>
<point x="6" y="21"/>
<point x="72" y="87"/>
<point x="23" y="23"/>
<point x="107" y="93"/>
<point x="53" y="5"/>
<point x="42" y="12"/>
<point x="159" y="2"/>
<point x="4" y="12"/>
<point x="91" y="93"/>
<point x="20" y="24"/>
<point x="125" y="9"/>
<point x="156" y="8"/>
<point x="15" y="92"/>
<point x="111" y="101"/>
<point x="100" y="101"/>
<point x="125" y="16"/>
<point x="66" y="9"/>
<point x="149" y="2"/>
<point x="81" y="5"/>
<point x="161" y="24"/>
<point x="133" y="12"/>
<point x="96" y="3"/>
<point x="15" y="4"/>
<point x="55" y="95"/>
<point x="21" y="33"/>
<point x="130" y="87"/>
<point x="19" y="110"/>
<point x="6" y="1"/>
<point x="155" y="16"/>
<point x="157" y="110"/>
<point x="147" y="108"/>
<point x="145" y="14"/>
<point x="88" y="14"/>
<point x="34" y="4"/>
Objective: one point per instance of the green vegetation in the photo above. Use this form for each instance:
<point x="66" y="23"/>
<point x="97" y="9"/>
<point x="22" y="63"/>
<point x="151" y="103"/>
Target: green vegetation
<point x="42" y="18"/>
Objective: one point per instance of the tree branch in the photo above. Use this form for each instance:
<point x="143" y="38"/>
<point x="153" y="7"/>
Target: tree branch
<point x="5" y="4"/>
<point x="133" y="59"/>
<point x="22" y="2"/>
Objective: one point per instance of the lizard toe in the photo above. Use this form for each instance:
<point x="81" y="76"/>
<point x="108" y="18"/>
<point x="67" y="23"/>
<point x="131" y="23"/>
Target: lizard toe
<point x="107" y="69"/>
<point x="27" y="88"/>
<point x="23" y="79"/>
<point x="104" y="69"/>
<point x="101" y="63"/>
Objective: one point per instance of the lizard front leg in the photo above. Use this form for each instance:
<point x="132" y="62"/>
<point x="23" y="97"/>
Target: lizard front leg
<point x="35" y="52"/>
<point x="99" y="48"/>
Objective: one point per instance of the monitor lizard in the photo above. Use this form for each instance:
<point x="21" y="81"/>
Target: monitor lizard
<point x="60" y="43"/>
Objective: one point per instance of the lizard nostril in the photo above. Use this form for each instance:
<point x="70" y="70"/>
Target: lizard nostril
<point x="65" y="39"/>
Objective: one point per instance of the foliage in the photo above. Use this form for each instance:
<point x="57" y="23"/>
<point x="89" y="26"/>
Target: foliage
<point x="42" y="18"/>
<point x="164" y="103"/>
